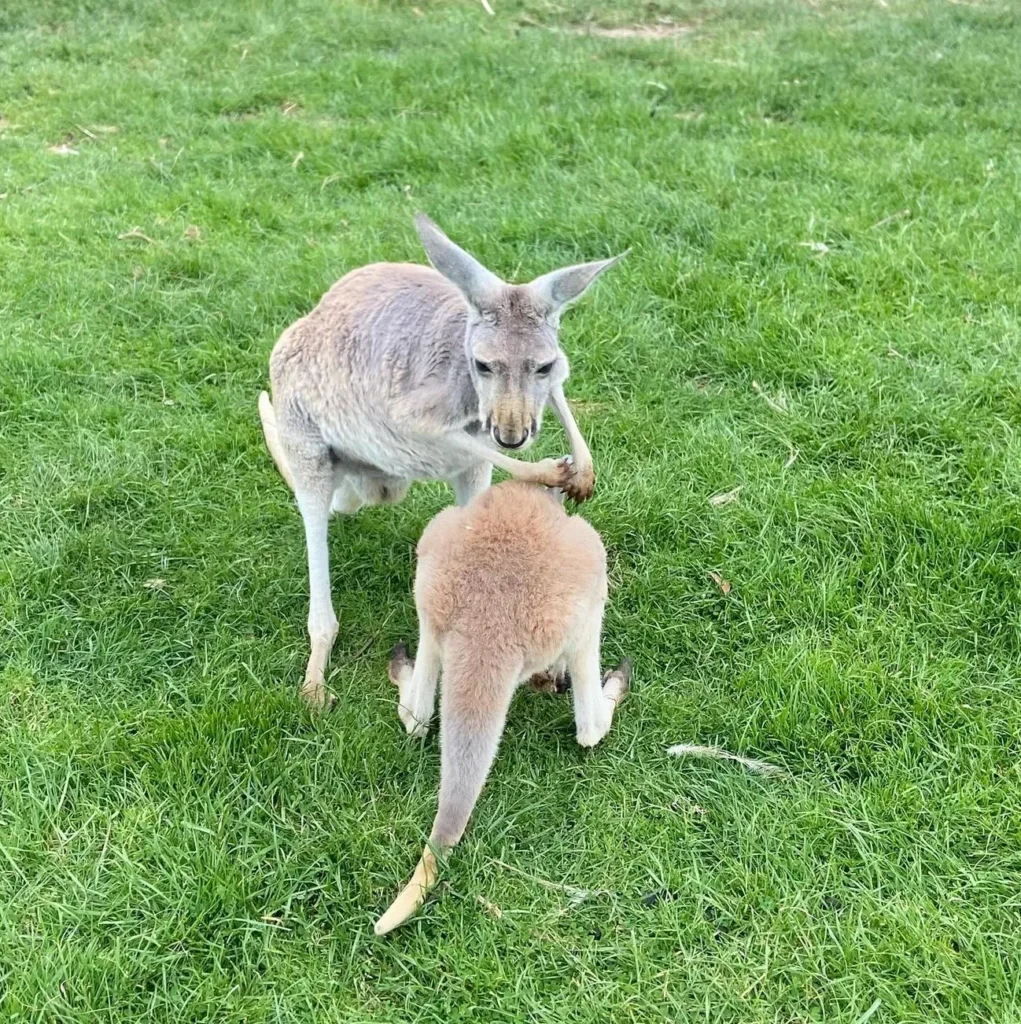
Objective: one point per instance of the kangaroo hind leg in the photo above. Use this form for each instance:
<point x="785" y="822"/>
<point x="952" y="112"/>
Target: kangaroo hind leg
<point x="311" y="469"/>
<point x="314" y="504"/>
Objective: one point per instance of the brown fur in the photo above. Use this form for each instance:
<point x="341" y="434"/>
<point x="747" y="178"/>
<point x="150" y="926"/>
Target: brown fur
<point x="506" y="587"/>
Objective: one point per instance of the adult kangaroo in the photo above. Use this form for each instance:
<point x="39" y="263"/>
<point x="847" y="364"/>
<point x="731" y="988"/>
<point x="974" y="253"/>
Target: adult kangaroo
<point x="405" y="372"/>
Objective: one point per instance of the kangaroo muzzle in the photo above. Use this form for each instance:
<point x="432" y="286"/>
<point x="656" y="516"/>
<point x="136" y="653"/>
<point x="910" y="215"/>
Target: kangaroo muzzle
<point x="511" y="435"/>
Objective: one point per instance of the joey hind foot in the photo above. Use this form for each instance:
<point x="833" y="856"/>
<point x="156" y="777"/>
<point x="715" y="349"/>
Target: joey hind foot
<point x="617" y="681"/>
<point x="400" y="668"/>
<point x="550" y="682"/>
<point x="543" y="682"/>
<point x="400" y="664"/>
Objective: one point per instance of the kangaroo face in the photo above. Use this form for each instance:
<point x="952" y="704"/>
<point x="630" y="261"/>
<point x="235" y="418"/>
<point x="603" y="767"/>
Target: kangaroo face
<point x="511" y="344"/>
<point x="515" y="361"/>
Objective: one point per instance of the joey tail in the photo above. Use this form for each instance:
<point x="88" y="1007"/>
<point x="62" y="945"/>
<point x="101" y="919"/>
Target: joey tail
<point x="472" y="717"/>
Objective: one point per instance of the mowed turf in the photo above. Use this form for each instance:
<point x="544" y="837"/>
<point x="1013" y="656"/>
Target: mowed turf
<point x="820" y="308"/>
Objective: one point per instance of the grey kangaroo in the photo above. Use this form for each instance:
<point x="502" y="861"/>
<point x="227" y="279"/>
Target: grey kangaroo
<point x="506" y="588"/>
<point x="405" y="372"/>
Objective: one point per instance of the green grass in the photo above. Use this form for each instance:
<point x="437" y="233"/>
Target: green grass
<point x="181" y="841"/>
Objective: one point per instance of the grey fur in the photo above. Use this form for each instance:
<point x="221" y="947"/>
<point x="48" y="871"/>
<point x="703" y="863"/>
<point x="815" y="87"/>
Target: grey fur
<point x="476" y="283"/>
<point x="404" y="373"/>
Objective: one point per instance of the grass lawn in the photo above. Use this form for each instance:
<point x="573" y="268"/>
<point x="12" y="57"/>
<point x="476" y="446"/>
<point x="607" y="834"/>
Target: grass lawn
<point x="821" y="308"/>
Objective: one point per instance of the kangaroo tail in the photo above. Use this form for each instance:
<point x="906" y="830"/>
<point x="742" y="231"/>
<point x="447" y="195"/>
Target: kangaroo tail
<point x="269" y="430"/>
<point x="412" y="896"/>
<point x="471" y="723"/>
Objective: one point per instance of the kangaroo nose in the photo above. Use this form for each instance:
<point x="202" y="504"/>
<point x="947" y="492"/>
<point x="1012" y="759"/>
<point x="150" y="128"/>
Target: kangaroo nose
<point x="506" y="442"/>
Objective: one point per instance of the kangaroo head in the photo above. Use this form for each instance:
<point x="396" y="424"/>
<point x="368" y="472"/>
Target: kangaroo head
<point x="511" y="341"/>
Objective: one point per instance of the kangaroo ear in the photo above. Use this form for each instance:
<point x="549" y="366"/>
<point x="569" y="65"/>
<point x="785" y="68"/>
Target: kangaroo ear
<point x="460" y="268"/>
<point x="561" y="287"/>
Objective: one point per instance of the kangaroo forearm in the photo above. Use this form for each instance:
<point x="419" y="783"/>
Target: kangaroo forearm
<point x="516" y="467"/>
<point x="579" y="449"/>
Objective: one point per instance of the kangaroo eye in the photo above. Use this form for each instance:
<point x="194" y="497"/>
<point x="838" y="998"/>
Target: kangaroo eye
<point x="483" y="368"/>
<point x="545" y="369"/>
